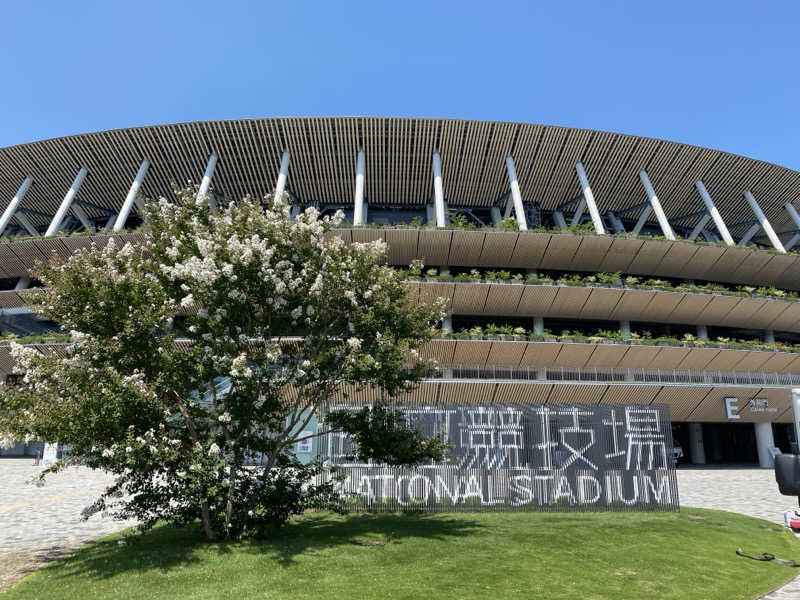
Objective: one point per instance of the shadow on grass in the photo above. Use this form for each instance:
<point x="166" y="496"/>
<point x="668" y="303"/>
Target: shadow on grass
<point x="167" y="547"/>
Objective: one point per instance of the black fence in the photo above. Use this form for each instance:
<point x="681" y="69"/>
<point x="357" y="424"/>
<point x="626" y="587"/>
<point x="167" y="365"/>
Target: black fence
<point x="517" y="458"/>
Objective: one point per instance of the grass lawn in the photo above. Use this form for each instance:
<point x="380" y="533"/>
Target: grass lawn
<point x="471" y="555"/>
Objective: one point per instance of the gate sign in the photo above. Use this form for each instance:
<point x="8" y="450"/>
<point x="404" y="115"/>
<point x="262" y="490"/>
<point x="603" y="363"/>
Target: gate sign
<point x="523" y="458"/>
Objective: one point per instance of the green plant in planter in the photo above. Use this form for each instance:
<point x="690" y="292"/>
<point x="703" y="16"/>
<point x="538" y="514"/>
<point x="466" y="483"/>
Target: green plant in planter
<point x="492" y="329"/>
<point x="520" y="332"/>
<point x="476" y="331"/>
<point x="517" y="277"/>
<point x="609" y="278"/>
<point x="432" y="273"/>
<point x="416" y="222"/>
<point x="505" y="330"/>
<point x="631" y="281"/>
<point x="509" y="224"/>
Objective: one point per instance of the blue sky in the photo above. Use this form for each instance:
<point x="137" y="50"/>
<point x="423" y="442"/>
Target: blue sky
<point x="718" y="74"/>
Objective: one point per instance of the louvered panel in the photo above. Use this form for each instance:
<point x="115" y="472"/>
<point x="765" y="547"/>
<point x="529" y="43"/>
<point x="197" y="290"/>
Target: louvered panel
<point x="685" y="193"/>
<point x="662" y="306"/>
<point x="469" y="298"/>
<point x="529" y="250"/>
<point x="749" y="312"/>
<point x="661" y="173"/>
<point x="560" y="252"/>
<point x="440" y="350"/>
<point x="503" y="299"/>
<point x="472" y="188"/>
<point x="702" y="262"/>
<point x="11" y="299"/>
<point x="429" y="292"/>
<point x="726" y="360"/>
<point x="639" y="357"/>
<point x="790" y="278"/>
<point x="628" y="188"/>
<point x="778" y="362"/>
<point x="506" y="353"/>
<point x="730" y="260"/>
<point x="768" y="312"/>
<point x="574" y="355"/>
<point x="594" y="162"/>
<point x="413" y="288"/>
<point x="450" y="143"/>
<point x="717" y="309"/>
<point x="564" y="184"/>
<point x="678" y="257"/>
<point x="788" y="319"/>
<point x="364" y="236"/>
<point x="712" y="408"/>
<point x="792" y="367"/>
<point x="345" y="234"/>
<point x="434" y="246"/>
<point x="751" y="266"/>
<point x="607" y="355"/>
<point x="467" y="393"/>
<point x="682" y="400"/>
<point x="7" y="363"/>
<point x="698" y="358"/>
<point x="525" y="146"/>
<point x="12" y="265"/>
<point x="689" y="309"/>
<point x="600" y="303"/>
<point x="576" y="394"/>
<point x="630" y="394"/>
<point x="539" y="354"/>
<point x="536" y="300"/>
<point x="522" y="393"/>
<point x="402" y="246"/>
<point x="497" y="248"/>
<point x="670" y="358"/>
<point x="778" y="399"/>
<point x="776" y="267"/>
<point x="620" y="254"/>
<point x="649" y="256"/>
<point x="466" y="248"/>
<point x="753" y="360"/>
<point x="28" y="252"/>
<point x="633" y="305"/>
<point x="471" y="352"/>
<point x="424" y="395"/>
<point x="569" y="301"/>
<point x="592" y="252"/>
<point x="533" y="179"/>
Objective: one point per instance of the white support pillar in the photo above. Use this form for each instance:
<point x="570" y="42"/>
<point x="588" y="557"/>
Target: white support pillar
<point x="748" y="235"/>
<point x="14" y="204"/>
<point x="358" y="209"/>
<point x="538" y="325"/>
<point x="438" y="191"/>
<point x="769" y="336"/>
<point x="666" y="229"/>
<point x="765" y="224"/>
<point x="205" y="184"/>
<point x="495" y="214"/>
<point x="789" y="208"/>
<point x="509" y="206"/>
<point x="764" y="442"/>
<point x="559" y="220"/>
<point x="579" y="210"/>
<point x="588" y="198"/>
<point x="697" y="450"/>
<point x="616" y="223"/>
<point x="637" y="229"/>
<point x="712" y="210"/>
<point x="430" y="217"/>
<point x="796" y="414"/>
<point x="26" y="223"/>
<point x="133" y="193"/>
<point x="699" y="227"/>
<point x="55" y="224"/>
<point x="790" y="244"/>
<point x="702" y="332"/>
<point x="516" y="195"/>
<point x="23" y="283"/>
<point x="78" y="211"/>
<point x="625" y="329"/>
<point x="110" y="223"/>
<point x="283" y="175"/>
<point x="447" y="323"/>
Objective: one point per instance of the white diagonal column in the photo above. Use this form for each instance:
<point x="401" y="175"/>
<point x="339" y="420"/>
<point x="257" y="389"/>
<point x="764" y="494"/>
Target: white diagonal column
<point x="588" y="198"/>
<point x="765" y="224"/>
<point x="283" y="175"/>
<point x="26" y="223"/>
<point x="205" y="184"/>
<point x="712" y="210"/>
<point x="14" y="204"/>
<point x="748" y="235"/>
<point x="133" y="192"/>
<point x="438" y="191"/>
<point x="666" y="229"/>
<point x="358" y="210"/>
<point x="78" y="211"/>
<point x="699" y="227"/>
<point x="645" y="214"/>
<point x="516" y="195"/>
<point x="795" y="217"/>
<point x="55" y="224"/>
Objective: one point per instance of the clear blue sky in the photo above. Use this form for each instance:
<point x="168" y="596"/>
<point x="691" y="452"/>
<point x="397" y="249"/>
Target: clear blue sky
<point x="718" y="74"/>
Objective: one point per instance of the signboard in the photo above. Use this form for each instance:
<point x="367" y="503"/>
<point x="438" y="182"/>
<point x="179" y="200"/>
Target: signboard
<point x="733" y="407"/>
<point x="523" y="458"/>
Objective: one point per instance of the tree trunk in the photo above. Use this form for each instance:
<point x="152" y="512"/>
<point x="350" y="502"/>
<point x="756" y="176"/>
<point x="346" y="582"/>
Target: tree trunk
<point x="206" y="516"/>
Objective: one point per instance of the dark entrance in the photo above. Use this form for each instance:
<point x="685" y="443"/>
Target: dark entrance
<point x="727" y="443"/>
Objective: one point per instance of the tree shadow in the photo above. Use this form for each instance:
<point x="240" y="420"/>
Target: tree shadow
<point x="167" y="547"/>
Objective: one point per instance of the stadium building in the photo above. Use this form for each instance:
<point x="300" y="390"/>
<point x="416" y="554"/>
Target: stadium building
<point x="582" y="267"/>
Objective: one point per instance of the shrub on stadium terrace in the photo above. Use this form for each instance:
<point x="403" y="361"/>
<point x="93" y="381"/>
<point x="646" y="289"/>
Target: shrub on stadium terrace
<point x="201" y="356"/>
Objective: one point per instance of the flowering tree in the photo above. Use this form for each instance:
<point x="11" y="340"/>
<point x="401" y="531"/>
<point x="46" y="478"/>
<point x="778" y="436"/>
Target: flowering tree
<point x="208" y="349"/>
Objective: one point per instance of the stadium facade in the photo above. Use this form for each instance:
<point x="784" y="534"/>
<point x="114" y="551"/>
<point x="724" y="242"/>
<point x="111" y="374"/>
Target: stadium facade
<point x="581" y="267"/>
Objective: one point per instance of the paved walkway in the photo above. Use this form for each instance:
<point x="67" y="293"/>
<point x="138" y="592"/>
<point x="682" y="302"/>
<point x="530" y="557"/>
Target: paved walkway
<point x="38" y="524"/>
<point x="748" y="491"/>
